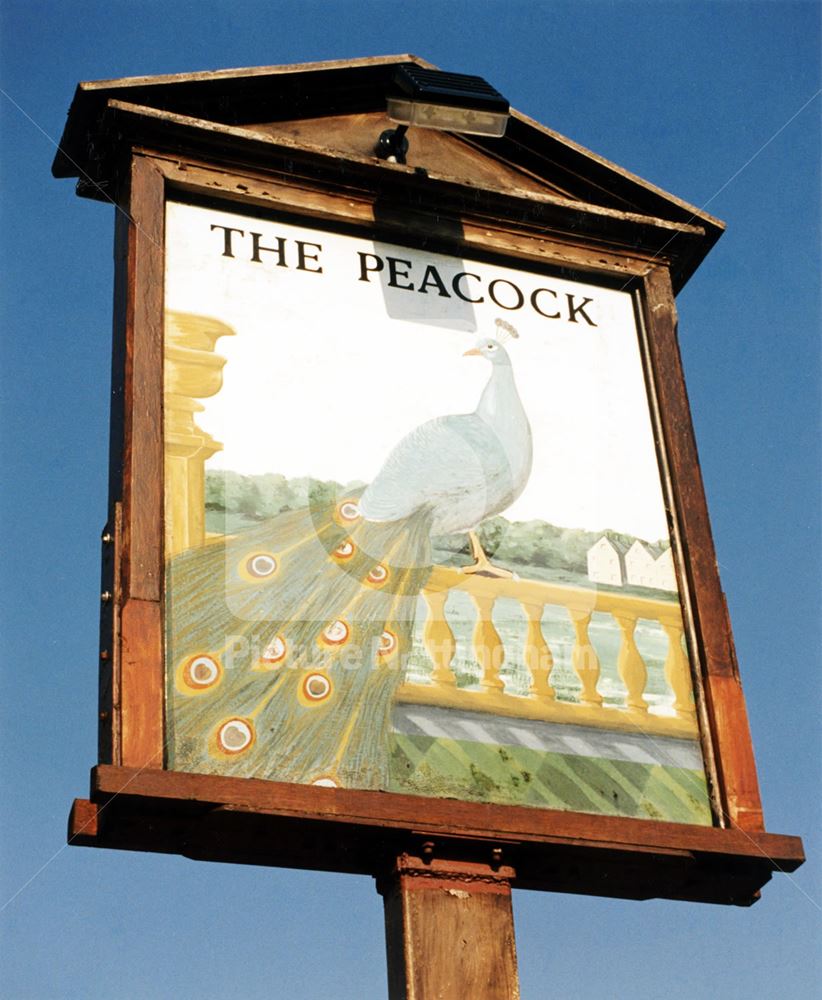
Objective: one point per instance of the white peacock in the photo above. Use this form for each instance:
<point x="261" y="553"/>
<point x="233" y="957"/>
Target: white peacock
<point x="465" y="467"/>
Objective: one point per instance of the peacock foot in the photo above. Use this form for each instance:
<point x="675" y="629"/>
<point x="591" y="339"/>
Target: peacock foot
<point x="486" y="568"/>
<point x="482" y="565"/>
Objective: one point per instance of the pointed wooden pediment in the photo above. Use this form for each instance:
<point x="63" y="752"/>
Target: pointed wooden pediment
<point x="337" y="110"/>
<point x="437" y="152"/>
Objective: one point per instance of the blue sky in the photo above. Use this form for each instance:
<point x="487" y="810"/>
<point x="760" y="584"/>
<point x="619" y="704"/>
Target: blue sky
<point x="717" y="103"/>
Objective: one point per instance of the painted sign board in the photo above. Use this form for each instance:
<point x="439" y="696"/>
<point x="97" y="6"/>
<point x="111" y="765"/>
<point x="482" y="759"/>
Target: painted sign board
<point x="408" y="553"/>
<point x="328" y="444"/>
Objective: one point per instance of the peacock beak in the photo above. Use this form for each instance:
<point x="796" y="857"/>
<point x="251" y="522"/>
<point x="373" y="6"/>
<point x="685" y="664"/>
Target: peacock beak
<point x="474" y="350"/>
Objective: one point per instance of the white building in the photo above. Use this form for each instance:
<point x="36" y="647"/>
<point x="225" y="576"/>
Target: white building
<point x="650" y="566"/>
<point x="606" y="562"/>
<point x="666" y="574"/>
<point x="642" y="565"/>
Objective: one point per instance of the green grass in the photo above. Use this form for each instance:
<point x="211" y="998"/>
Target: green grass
<point x="506" y="775"/>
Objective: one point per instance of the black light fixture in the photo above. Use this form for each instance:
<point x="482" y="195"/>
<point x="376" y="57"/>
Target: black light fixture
<point x="430" y="98"/>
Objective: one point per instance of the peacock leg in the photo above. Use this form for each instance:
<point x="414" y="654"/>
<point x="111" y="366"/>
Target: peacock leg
<point x="482" y="563"/>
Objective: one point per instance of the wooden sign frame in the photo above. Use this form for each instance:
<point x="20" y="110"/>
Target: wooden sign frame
<point x="135" y="804"/>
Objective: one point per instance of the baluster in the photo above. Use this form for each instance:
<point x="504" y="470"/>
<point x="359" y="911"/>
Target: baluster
<point x="630" y="664"/>
<point x="584" y="658"/>
<point x="677" y="671"/>
<point x="538" y="657"/>
<point x="438" y="638"/>
<point x="488" y="645"/>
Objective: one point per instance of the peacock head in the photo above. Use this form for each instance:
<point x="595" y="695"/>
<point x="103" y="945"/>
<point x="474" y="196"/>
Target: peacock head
<point x="491" y="348"/>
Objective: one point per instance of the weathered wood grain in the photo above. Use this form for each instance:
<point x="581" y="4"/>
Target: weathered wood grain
<point x="724" y="702"/>
<point x="141" y="684"/>
<point x="449" y="931"/>
<point x="458" y="228"/>
<point x="137" y="471"/>
<point x="245" y="820"/>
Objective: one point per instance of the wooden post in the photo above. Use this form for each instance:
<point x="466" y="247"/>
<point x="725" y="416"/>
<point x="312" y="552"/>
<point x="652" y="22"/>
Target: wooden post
<point x="449" y="930"/>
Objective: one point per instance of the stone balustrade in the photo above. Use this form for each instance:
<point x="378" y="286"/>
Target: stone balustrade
<point x="489" y="694"/>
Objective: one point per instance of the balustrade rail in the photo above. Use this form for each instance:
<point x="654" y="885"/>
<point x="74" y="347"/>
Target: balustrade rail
<point x="541" y="702"/>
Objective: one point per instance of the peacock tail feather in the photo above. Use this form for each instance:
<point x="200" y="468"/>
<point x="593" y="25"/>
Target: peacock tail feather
<point x="286" y="645"/>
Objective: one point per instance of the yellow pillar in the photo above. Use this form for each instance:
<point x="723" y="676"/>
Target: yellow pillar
<point x="488" y="644"/>
<point x="630" y="664"/>
<point x="538" y="656"/>
<point x="438" y="638"/>
<point x="192" y="371"/>
<point x="584" y="658"/>
<point x="677" y="672"/>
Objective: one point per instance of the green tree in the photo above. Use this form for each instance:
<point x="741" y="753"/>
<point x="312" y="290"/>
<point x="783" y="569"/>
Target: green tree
<point x="250" y="498"/>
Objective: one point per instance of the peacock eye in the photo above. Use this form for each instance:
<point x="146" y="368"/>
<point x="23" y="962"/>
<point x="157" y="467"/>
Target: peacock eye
<point x="335" y="634"/>
<point x="387" y="643"/>
<point x="491" y="347"/>
<point x="235" y="735"/>
<point x="275" y="651"/>
<point x="200" y="673"/>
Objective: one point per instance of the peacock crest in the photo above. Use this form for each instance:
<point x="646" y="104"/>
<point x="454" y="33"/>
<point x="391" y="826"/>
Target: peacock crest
<point x="506" y="331"/>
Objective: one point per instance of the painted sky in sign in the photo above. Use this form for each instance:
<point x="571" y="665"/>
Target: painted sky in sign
<point x="328" y="372"/>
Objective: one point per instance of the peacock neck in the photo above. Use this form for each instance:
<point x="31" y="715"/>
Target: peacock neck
<point x="500" y="401"/>
<point x="501" y="410"/>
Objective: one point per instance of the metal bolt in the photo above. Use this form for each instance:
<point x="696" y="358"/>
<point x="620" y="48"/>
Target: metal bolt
<point x="105" y="597"/>
<point x="428" y="850"/>
<point x="104" y="654"/>
<point x="107" y="538"/>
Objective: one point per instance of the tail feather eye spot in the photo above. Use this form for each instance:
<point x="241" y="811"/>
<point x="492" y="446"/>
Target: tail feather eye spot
<point x="335" y="634"/>
<point x="378" y="575"/>
<point x="275" y="651"/>
<point x="199" y="673"/>
<point x="348" y="511"/>
<point x="235" y="735"/>
<point x="261" y="565"/>
<point x="315" y="688"/>
<point x="387" y="644"/>
<point x="345" y="550"/>
<point x="258" y="567"/>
